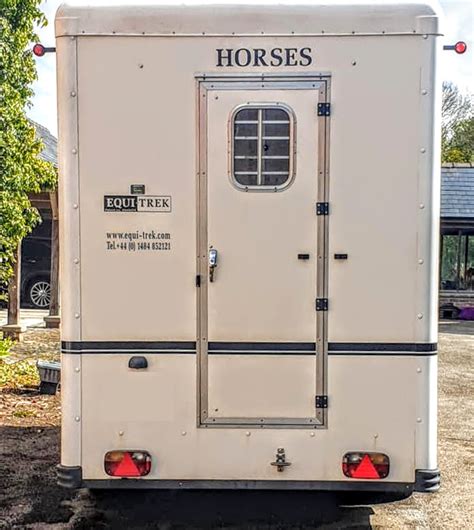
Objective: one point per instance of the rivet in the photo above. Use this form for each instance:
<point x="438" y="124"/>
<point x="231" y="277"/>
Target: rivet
<point x="120" y="433"/>
<point x="140" y="66"/>
<point x="77" y="369"/>
<point x="74" y="151"/>
<point x="422" y="150"/>
<point x="247" y="433"/>
<point x="418" y="420"/>
<point x="425" y="36"/>
<point x="180" y="484"/>
<point x="419" y="316"/>
<point x="422" y="206"/>
<point x="77" y="418"/>
<point x="73" y="38"/>
<point x="421" y="261"/>
<point x="354" y="63"/>
<point x="76" y="260"/>
<point x="376" y="435"/>
<point x="73" y="94"/>
<point x="424" y="92"/>
<point x="75" y="206"/>
<point x="77" y="315"/>
<point x="418" y="370"/>
<point x="311" y="434"/>
<point x="183" y="433"/>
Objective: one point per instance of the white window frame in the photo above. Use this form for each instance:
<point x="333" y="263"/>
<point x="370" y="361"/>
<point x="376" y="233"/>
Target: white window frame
<point x="260" y="156"/>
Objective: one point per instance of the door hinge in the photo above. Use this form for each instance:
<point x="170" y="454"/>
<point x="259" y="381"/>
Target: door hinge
<point x="322" y="208"/>
<point x="198" y="280"/>
<point x="324" y="109"/>
<point x="321" y="402"/>
<point x="322" y="304"/>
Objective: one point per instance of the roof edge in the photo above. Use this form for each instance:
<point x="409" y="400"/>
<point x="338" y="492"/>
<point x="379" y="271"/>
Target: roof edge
<point x="234" y="18"/>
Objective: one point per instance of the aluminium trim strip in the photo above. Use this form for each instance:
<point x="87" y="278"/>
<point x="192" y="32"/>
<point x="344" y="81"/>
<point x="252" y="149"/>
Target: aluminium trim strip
<point x="85" y="33"/>
<point x="323" y="485"/>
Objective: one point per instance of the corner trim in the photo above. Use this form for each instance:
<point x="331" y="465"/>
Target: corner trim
<point x="427" y="480"/>
<point x="69" y="477"/>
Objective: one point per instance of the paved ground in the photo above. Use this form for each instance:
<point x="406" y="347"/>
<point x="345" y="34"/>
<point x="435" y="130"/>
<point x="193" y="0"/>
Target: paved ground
<point x="28" y="317"/>
<point x="29" y="497"/>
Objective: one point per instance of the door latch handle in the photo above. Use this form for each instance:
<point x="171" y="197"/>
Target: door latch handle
<point x="212" y="263"/>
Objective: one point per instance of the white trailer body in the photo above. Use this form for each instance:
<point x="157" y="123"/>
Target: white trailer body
<point x="249" y="242"/>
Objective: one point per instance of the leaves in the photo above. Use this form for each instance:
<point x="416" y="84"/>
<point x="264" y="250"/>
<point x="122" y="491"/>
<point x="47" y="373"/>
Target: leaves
<point x="5" y="345"/>
<point x="21" y="169"/>
<point x="18" y="374"/>
<point x="460" y="148"/>
<point x="457" y="134"/>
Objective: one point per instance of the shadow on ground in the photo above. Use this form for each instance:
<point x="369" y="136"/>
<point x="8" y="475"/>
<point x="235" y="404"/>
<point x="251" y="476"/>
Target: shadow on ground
<point x="29" y="496"/>
<point x="225" y="509"/>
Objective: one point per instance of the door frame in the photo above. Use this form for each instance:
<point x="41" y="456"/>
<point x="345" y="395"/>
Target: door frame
<point x="205" y="84"/>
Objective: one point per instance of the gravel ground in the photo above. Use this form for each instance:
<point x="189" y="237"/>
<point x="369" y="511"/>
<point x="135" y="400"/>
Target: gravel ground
<point x="29" y="450"/>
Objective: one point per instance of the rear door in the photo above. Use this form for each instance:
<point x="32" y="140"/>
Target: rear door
<point x="261" y="251"/>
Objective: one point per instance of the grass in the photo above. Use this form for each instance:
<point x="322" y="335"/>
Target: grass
<point x="24" y="413"/>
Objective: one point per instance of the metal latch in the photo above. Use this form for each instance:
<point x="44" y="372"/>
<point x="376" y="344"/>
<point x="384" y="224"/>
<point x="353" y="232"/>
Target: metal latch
<point x="324" y="109"/>
<point x="321" y="402"/>
<point x="322" y="304"/>
<point x="212" y="263"/>
<point x="322" y="208"/>
<point x="280" y="461"/>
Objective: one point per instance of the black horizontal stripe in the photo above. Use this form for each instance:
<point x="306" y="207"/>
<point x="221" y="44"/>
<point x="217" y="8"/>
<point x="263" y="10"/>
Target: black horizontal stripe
<point x="249" y="348"/>
<point x="128" y="346"/>
<point x="128" y="352"/>
<point x="341" y="348"/>
<point x="262" y="346"/>
<point x="261" y="352"/>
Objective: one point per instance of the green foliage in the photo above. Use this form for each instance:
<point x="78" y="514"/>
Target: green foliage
<point x="460" y="147"/>
<point x="19" y="374"/>
<point x="457" y="135"/>
<point x="21" y="169"/>
<point x="5" y="345"/>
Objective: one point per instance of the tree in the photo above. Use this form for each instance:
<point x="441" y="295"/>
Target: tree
<point x="457" y="133"/>
<point x="21" y="169"/>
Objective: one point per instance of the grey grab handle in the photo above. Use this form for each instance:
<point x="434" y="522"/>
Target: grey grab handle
<point x="138" y="362"/>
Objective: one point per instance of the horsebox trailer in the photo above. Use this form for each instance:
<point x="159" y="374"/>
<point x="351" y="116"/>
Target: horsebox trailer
<point x="249" y="240"/>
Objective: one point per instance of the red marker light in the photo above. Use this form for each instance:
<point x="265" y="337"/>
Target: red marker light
<point x="127" y="463"/>
<point x="460" y="47"/>
<point x="39" y="50"/>
<point x="366" y="466"/>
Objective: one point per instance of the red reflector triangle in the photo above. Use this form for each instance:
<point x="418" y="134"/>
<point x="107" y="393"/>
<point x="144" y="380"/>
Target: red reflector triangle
<point x="127" y="467"/>
<point x="365" y="469"/>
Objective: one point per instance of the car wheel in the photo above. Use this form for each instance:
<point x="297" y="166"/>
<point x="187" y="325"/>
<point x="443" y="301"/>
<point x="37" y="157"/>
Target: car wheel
<point x="39" y="293"/>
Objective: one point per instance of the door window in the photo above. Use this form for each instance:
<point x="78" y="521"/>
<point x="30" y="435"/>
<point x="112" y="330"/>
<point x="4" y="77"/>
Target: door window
<point x="262" y="147"/>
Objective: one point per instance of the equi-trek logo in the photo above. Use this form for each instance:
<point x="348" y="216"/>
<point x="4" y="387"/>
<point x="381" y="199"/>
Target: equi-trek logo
<point x="137" y="203"/>
<point x="244" y="57"/>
